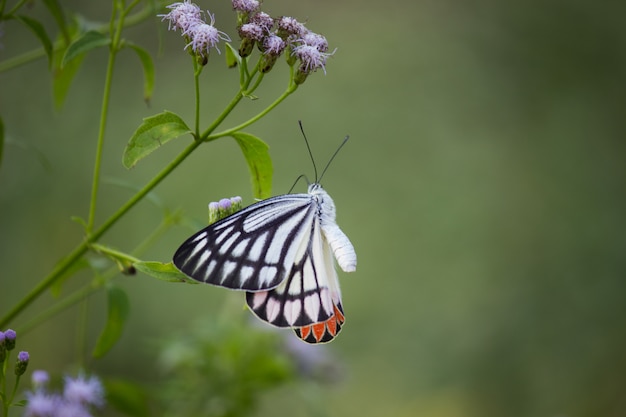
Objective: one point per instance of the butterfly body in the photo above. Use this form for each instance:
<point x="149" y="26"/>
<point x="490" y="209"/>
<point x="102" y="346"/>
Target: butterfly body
<point x="280" y="251"/>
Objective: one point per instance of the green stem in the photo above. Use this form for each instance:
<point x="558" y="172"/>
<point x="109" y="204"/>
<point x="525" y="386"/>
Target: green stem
<point x="79" y="251"/>
<point x="96" y="284"/>
<point x="221" y="117"/>
<point x="196" y="83"/>
<point x="292" y="87"/>
<point x="101" y="131"/>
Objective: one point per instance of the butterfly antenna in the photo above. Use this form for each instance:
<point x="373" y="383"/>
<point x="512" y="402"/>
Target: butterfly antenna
<point x="310" y="153"/>
<point x="333" y="157"/>
<point x="296" y="181"/>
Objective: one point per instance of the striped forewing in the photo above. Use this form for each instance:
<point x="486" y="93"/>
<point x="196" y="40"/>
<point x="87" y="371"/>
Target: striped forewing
<point x="254" y="249"/>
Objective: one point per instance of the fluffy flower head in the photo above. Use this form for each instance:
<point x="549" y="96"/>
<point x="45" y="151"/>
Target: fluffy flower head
<point x="83" y="390"/>
<point x="183" y="15"/>
<point x="205" y="36"/>
<point x="245" y="6"/>
<point x="41" y="404"/>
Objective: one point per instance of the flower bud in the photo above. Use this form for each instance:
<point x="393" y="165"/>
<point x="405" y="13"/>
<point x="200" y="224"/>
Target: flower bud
<point x="22" y="363"/>
<point x="10" y="337"/>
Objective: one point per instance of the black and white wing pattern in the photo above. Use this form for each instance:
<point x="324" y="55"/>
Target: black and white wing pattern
<point x="280" y="251"/>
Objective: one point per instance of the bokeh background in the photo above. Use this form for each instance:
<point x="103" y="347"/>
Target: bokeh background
<point x="483" y="188"/>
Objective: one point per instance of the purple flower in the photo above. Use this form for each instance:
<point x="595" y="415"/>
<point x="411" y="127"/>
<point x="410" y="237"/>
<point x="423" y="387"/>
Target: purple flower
<point x="318" y="41"/>
<point x="251" y="31"/>
<point x="22" y="363"/>
<point x="245" y="6"/>
<point x="264" y="20"/>
<point x="289" y="26"/>
<point x="225" y="204"/>
<point x="86" y="391"/>
<point x="9" y="339"/>
<point x="311" y="58"/>
<point x="273" y="45"/>
<point x="41" y="404"/>
<point x="205" y="36"/>
<point x="72" y="409"/>
<point x="39" y="378"/>
<point x="182" y="16"/>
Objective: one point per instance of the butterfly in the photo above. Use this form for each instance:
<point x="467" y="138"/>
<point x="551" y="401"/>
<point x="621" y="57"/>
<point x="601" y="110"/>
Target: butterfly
<point x="281" y="251"/>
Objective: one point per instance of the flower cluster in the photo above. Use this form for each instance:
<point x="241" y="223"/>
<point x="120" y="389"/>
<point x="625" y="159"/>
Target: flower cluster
<point x="80" y="395"/>
<point x="200" y="36"/>
<point x="273" y="36"/>
<point x="224" y="208"/>
<point x="7" y="344"/>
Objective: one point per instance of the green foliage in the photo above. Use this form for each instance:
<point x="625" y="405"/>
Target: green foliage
<point x="118" y="310"/>
<point x="154" y="132"/>
<point x="221" y="369"/>
<point x="39" y="31"/>
<point x="259" y="163"/>
<point x="127" y="397"/>
<point x="87" y="42"/>
<point x="163" y="271"/>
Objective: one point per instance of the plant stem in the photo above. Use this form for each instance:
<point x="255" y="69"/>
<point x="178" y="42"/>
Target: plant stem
<point x="292" y="87"/>
<point x="79" y="251"/>
<point x="101" y="131"/>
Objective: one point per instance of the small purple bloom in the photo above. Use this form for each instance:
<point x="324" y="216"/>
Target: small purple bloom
<point x="225" y="204"/>
<point x="236" y="200"/>
<point x="83" y="390"/>
<point x="205" y="36"/>
<point x="214" y="205"/>
<point x="40" y="378"/>
<point x="290" y="26"/>
<point x="2" y="337"/>
<point x="182" y="16"/>
<point x="41" y="404"/>
<point x="273" y="45"/>
<point x="245" y="6"/>
<point x="72" y="409"/>
<point x="316" y="40"/>
<point x="251" y="31"/>
<point x="264" y="20"/>
<point x="311" y="58"/>
<point x="9" y="339"/>
<point x="22" y="363"/>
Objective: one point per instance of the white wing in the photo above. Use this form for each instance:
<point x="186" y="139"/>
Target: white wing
<point x="253" y="249"/>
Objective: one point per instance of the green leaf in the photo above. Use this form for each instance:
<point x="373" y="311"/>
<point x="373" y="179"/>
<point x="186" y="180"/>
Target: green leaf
<point x="151" y="134"/>
<point x="232" y="56"/>
<point x="63" y="77"/>
<point x="90" y="40"/>
<point x="127" y="397"/>
<point x="118" y="313"/>
<point x="39" y="31"/>
<point x="57" y="12"/>
<point x="165" y="272"/>
<point x="148" y="70"/>
<point x="257" y="155"/>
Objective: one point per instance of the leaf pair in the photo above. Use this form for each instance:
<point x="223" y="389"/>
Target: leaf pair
<point x="163" y="127"/>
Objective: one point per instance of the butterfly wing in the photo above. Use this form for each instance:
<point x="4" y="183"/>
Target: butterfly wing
<point x="253" y="249"/>
<point x="309" y="300"/>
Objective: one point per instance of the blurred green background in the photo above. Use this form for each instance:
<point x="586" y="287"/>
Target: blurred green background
<point x="483" y="189"/>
